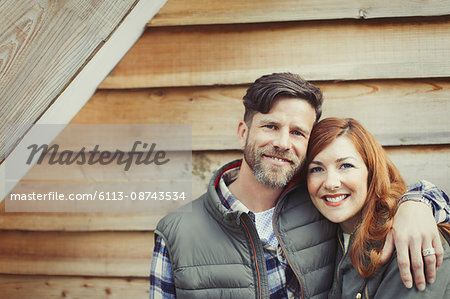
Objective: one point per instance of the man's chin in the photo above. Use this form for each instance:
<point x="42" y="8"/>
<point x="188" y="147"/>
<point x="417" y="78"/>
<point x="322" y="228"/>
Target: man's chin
<point x="272" y="179"/>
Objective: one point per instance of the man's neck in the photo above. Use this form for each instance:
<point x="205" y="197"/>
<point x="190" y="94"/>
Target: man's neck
<point x="256" y="196"/>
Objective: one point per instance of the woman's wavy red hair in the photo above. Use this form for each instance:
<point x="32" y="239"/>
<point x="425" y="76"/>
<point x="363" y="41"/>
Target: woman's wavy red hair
<point x="384" y="187"/>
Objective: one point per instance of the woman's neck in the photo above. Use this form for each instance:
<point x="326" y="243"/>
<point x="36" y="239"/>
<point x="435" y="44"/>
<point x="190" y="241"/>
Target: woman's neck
<point x="349" y="226"/>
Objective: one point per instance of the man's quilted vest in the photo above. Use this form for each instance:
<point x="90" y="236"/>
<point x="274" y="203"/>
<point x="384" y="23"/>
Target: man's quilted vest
<point x="216" y="253"/>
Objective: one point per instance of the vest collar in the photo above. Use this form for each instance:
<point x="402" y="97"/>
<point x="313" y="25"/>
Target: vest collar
<point x="215" y="206"/>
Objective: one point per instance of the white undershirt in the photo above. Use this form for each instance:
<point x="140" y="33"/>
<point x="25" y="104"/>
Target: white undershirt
<point x="346" y="241"/>
<point x="264" y="226"/>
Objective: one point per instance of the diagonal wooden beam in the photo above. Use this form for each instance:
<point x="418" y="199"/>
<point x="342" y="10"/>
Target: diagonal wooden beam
<point x="53" y="55"/>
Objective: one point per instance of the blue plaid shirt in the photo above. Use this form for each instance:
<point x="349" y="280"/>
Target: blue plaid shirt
<point x="282" y="281"/>
<point x="435" y="197"/>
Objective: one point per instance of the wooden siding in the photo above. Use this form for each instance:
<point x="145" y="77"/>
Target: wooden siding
<point x="115" y="254"/>
<point x="385" y="107"/>
<point x="321" y="50"/>
<point x="49" y="287"/>
<point x="199" y="12"/>
<point x="388" y="71"/>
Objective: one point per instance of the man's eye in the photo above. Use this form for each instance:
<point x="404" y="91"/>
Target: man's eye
<point x="298" y="133"/>
<point x="271" y="127"/>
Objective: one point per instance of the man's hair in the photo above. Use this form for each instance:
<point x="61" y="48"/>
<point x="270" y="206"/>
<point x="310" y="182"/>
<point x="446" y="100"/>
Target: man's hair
<point x="265" y="91"/>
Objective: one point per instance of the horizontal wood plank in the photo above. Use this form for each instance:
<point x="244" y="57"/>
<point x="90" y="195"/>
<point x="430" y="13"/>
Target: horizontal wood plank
<point x="198" y="12"/>
<point x="52" y="287"/>
<point x="415" y="163"/>
<point x="115" y="254"/>
<point x="397" y="112"/>
<point x="326" y="50"/>
<point x="79" y="221"/>
<point x="423" y="163"/>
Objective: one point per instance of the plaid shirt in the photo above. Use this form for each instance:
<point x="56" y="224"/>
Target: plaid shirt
<point x="282" y="281"/>
<point x="438" y="200"/>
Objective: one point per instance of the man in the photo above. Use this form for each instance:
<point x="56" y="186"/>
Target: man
<point x="255" y="233"/>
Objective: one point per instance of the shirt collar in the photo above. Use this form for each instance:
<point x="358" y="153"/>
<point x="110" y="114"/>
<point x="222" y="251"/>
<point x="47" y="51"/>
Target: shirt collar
<point x="228" y="200"/>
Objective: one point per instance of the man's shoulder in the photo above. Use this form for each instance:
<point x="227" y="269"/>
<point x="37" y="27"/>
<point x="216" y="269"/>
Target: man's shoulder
<point x="183" y="214"/>
<point x="195" y="213"/>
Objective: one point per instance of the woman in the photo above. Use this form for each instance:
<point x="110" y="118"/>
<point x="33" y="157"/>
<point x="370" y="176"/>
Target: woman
<point x="352" y="182"/>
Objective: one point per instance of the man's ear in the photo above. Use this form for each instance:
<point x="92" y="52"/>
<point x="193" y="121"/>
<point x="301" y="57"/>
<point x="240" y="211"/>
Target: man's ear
<point x="242" y="133"/>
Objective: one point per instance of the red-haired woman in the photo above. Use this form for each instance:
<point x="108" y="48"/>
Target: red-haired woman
<point x="352" y="182"/>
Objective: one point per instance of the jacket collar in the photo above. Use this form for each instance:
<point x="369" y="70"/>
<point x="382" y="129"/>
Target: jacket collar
<point x="214" y="204"/>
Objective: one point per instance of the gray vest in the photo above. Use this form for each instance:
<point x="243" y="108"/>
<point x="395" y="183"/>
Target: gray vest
<point x="216" y="253"/>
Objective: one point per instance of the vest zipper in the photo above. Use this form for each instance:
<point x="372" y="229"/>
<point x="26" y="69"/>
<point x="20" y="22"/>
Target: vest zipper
<point x="363" y="288"/>
<point x="256" y="260"/>
<point x="282" y="247"/>
<point x="367" y="292"/>
<point x="342" y="259"/>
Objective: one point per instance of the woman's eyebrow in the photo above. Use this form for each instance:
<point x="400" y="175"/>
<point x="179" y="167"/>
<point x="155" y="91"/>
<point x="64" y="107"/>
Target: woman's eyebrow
<point x="344" y="158"/>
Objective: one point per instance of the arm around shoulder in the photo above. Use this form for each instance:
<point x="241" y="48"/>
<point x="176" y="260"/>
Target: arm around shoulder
<point x="391" y="285"/>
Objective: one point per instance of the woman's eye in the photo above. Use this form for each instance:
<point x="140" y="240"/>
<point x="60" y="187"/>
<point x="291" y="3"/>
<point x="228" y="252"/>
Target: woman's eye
<point x="315" y="169"/>
<point x="271" y="127"/>
<point x="346" y="165"/>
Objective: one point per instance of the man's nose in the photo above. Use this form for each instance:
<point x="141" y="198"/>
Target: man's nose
<point x="332" y="181"/>
<point x="282" y="140"/>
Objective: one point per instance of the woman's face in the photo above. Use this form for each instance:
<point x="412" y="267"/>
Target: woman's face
<point x="337" y="183"/>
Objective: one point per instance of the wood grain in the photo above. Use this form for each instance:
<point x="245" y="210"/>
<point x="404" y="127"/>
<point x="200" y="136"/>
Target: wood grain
<point x="198" y="12"/>
<point x="52" y="287"/>
<point x="43" y="45"/>
<point x="326" y="50"/>
<point x="107" y="254"/>
<point x="397" y="112"/>
<point x="79" y="221"/>
<point x="431" y="163"/>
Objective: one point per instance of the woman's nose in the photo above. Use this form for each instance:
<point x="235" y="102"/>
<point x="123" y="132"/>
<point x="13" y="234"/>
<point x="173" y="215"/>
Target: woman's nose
<point x="332" y="181"/>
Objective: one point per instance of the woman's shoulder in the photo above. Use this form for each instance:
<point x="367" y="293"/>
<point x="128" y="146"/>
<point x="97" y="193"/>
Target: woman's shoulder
<point x="390" y="284"/>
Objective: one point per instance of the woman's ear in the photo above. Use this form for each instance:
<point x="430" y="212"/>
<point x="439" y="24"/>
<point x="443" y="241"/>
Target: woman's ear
<point x="242" y="133"/>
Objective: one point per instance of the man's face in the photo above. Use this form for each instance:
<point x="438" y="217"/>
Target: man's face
<point x="276" y="143"/>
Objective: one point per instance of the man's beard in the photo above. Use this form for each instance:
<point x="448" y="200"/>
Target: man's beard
<point x="271" y="175"/>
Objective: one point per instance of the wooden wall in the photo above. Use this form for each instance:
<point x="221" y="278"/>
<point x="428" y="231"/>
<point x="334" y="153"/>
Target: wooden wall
<point x="385" y="63"/>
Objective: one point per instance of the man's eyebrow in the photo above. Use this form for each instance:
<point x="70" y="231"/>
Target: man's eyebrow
<point x="305" y="131"/>
<point x="268" y="120"/>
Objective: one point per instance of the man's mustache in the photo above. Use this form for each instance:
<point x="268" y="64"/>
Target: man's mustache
<point x="272" y="151"/>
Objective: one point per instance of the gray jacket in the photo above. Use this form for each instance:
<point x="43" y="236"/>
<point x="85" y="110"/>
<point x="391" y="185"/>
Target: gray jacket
<point x="216" y="253"/>
<point x="386" y="282"/>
